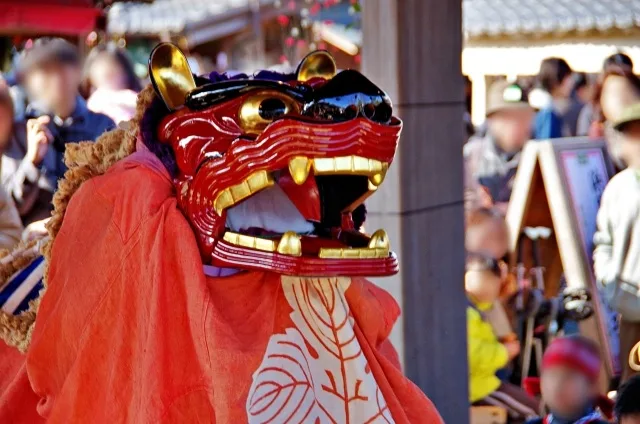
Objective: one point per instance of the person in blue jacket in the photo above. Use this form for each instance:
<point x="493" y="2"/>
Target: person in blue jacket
<point x="556" y="82"/>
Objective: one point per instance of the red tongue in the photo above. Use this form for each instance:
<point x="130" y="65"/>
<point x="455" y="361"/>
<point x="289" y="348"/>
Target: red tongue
<point x="305" y="197"/>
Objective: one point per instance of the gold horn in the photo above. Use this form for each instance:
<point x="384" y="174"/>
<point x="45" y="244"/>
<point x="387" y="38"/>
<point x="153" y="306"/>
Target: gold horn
<point x="317" y="64"/>
<point x="170" y="74"/>
<point x="634" y="358"/>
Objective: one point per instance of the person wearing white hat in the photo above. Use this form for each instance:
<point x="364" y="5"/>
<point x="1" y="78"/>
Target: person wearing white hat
<point x="491" y="161"/>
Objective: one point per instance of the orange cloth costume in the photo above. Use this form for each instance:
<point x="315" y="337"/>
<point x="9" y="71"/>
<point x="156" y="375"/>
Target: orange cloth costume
<point x="135" y="332"/>
<point x="134" y="329"/>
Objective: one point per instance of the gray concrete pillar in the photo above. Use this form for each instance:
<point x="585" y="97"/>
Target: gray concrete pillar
<point x="412" y="49"/>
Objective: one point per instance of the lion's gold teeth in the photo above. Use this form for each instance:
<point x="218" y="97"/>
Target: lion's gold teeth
<point x="378" y="178"/>
<point x="379" y="247"/>
<point x="259" y="180"/>
<point x="379" y="239"/>
<point x="352" y="165"/>
<point x="250" y="242"/>
<point x="362" y="164"/>
<point x="348" y="164"/>
<point x="299" y="168"/>
<point x="359" y="253"/>
<point x="223" y="201"/>
<point x="251" y="185"/>
<point x="290" y="244"/>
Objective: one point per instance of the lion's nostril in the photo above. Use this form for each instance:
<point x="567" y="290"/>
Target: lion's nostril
<point x="383" y="114"/>
<point x="350" y="112"/>
<point x="369" y="111"/>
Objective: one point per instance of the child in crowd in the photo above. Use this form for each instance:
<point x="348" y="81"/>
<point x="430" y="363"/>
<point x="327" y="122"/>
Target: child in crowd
<point x="487" y="355"/>
<point x="617" y="240"/>
<point x="627" y="409"/>
<point x="487" y="233"/>
<point x="569" y="382"/>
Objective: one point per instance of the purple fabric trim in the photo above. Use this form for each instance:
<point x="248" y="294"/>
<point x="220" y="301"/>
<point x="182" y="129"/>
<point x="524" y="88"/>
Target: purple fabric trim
<point x="148" y="130"/>
<point x="143" y="156"/>
<point x="218" y="77"/>
<point x="260" y="75"/>
<point x="214" y="271"/>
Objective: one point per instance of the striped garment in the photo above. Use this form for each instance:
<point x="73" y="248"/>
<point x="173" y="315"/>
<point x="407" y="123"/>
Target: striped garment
<point x="22" y="287"/>
<point x="592" y="417"/>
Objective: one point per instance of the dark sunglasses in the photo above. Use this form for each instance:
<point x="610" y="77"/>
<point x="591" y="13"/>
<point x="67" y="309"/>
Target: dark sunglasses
<point x="487" y="263"/>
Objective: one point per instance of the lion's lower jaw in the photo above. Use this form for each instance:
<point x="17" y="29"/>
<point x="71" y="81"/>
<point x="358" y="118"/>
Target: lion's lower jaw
<point x="228" y="255"/>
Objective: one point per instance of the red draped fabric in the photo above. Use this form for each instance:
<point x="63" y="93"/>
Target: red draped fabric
<point x="131" y="330"/>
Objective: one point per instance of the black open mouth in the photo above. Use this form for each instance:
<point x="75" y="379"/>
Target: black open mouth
<point x="315" y="208"/>
<point x="342" y="211"/>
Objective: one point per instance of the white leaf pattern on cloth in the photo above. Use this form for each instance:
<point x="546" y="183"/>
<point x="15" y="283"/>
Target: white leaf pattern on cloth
<point x="316" y="372"/>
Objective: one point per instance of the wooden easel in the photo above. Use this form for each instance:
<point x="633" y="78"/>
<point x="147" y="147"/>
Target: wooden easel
<point x="547" y="193"/>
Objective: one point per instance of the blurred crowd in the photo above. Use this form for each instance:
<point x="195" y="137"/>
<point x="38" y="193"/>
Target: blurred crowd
<point x="559" y="103"/>
<point x="54" y="96"/>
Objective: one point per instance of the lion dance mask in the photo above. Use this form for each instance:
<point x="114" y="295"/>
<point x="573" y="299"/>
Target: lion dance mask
<point x="206" y="260"/>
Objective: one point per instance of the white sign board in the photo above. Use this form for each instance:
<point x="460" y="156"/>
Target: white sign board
<point x="559" y="185"/>
<point x="587" y="175"/>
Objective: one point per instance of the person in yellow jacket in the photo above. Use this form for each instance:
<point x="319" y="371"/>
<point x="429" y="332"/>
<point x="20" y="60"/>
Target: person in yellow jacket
<point x="487" y="355"/>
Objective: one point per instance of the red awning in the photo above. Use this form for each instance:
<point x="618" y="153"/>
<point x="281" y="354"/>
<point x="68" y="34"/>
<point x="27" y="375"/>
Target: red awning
<point x="63" y="17"/>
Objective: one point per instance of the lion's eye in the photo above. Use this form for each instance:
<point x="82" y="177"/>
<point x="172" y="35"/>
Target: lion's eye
<point x="260" y="110"/>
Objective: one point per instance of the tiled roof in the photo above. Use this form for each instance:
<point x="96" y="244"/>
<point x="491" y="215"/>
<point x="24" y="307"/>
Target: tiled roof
<point x="480" y="17"/>
<point x="510" y="17"/>
<point x="170" y="15"/>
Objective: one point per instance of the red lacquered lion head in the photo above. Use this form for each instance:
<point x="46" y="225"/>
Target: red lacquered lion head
<point x="272" y="170"/>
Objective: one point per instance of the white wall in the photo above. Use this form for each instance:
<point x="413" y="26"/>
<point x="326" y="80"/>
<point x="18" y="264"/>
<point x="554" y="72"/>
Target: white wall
<point x="523" y="58"/>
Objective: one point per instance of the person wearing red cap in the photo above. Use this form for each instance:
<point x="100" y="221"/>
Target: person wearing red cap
<point x="569" y="382"/>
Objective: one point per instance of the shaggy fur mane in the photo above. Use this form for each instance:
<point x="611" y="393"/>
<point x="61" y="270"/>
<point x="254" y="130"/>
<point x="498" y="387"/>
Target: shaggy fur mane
<point x="84" y="160"/>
